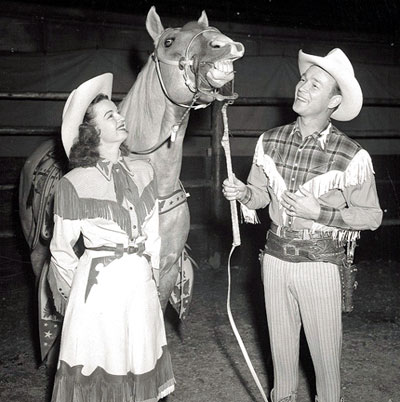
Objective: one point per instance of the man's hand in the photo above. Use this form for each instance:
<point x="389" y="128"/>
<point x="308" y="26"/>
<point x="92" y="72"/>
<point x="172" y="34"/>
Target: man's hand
<point x="303" y="206"/>
<point x="234" y="191"/>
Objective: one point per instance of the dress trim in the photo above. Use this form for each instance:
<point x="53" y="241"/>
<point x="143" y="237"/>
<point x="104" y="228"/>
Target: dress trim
<point x="71" y="385"/>
<point x="68" y="205"/>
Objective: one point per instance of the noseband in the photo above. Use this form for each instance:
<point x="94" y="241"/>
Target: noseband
<point x="187" y="65"/>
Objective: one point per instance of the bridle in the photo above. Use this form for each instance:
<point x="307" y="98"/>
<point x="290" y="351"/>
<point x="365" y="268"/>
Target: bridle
<point x="198" y="87"/>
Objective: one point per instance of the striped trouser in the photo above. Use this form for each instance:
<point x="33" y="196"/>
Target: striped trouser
<point x="305" y="293"/>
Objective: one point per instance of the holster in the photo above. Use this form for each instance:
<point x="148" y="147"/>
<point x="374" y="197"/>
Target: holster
<point x="348" y="272"/>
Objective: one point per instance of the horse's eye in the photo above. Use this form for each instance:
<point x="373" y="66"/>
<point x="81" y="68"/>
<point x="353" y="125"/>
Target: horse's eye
<point x="168" y="42"/>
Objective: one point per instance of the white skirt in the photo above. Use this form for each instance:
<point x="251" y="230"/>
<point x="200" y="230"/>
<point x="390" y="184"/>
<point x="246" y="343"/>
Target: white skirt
<point x="113" y="343"/>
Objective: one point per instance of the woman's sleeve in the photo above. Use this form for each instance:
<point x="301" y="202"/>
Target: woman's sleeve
<point x="153" y="241"/>
<point x="63" y="260"/>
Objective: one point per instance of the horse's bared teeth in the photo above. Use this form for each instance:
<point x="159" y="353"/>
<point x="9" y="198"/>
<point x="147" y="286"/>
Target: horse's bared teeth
<point x="224" y="66"/>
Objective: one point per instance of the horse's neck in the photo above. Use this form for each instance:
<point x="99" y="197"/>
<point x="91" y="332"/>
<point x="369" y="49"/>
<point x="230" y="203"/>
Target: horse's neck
<point x="149" y="118"/>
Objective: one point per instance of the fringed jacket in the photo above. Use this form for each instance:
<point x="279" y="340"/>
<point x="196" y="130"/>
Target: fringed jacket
<point x="109" y="204"/>
<point x="330" y="165"/>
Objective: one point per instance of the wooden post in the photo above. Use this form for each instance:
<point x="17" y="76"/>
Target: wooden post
<point x="217" y="155"/>
<point x="214" y="241"/>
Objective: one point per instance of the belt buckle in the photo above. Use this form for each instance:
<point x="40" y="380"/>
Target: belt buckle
<point x="131" y="249"/>
<point x="287" y="247"/>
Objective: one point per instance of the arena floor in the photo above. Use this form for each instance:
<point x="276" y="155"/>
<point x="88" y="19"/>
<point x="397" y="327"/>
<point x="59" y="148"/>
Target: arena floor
<point x="207" y="360"/>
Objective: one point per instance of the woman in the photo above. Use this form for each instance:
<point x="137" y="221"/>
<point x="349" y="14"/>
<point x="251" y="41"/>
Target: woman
<point x="113" y="344"/>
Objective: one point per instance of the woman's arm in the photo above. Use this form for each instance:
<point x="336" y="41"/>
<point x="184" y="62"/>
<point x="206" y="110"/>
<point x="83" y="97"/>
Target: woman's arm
<point x="63" y="258"/>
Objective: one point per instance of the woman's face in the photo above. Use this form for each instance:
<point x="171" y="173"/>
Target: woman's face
<point x="109" y="122"/>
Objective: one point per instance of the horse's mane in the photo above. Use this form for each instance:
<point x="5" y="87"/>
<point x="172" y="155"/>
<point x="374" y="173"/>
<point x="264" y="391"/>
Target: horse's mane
<point x="143" y="109"/>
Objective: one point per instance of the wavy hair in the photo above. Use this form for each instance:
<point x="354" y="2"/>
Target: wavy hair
<point x="85" y="150"/>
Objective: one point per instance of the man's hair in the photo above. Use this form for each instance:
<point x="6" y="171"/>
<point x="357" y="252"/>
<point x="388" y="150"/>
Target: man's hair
<point x="85" y="151"/>
<point x="335" y="91"/>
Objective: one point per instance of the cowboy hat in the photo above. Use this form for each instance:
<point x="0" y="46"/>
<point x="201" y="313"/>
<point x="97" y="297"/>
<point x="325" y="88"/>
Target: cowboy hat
<point x="77" y="104"/>
<point x="339" y="67"/>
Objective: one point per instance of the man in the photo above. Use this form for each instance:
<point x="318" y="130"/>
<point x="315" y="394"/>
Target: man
<point x="320" y="188"/>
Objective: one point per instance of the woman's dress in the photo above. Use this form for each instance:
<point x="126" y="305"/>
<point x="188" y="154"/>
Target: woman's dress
<point x="113" y="343"/>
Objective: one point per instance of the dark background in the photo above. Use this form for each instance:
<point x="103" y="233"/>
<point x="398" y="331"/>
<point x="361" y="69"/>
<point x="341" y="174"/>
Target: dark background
<point x="369" y="16"/>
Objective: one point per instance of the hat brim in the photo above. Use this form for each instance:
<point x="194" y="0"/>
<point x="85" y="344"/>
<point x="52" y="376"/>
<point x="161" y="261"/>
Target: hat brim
<point x="352" y="97"/>
<point x="77" y="104"/>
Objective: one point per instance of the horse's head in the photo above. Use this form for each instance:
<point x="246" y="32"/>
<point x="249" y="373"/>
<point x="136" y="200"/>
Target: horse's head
<point x="194" y="61"/>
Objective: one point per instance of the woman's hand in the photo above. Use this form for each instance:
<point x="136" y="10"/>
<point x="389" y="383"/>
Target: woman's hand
<point x="234" y="191"/>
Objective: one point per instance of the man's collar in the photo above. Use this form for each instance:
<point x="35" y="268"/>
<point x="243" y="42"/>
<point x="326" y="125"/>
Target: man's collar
<point x="105" y="166"/>
<point x="319" y="137"/>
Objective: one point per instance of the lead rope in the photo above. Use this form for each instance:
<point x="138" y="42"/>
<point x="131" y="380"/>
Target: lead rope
<point x="236" y="242"/>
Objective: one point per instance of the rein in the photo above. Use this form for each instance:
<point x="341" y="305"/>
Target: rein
<point x="236" y="242"/>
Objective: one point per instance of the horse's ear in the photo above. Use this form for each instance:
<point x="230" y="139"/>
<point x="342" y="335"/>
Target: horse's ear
<point x="153" y="23"/>
<point x="203" y="20"/>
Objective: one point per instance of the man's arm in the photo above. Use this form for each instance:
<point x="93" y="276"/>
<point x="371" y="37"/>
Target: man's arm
<point x="362" y="211"/>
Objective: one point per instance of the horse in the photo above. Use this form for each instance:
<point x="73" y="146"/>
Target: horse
<point x="187" y="70"/>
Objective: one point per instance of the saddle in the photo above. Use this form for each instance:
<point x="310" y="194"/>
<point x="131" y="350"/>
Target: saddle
<point x="41" y="197"/>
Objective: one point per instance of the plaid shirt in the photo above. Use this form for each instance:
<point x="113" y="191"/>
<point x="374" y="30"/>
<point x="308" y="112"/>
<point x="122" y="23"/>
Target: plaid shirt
<point x="294" y="162"/>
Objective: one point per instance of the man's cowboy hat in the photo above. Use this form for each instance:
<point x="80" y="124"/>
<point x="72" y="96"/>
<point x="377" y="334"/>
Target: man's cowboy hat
<point x="339" y="67"/>
<point x="77" y="104"/>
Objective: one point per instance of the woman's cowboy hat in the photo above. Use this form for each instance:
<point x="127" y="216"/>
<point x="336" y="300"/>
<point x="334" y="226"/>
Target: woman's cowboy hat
<point x="77" y="104"/>
<point x="339" y="67"/>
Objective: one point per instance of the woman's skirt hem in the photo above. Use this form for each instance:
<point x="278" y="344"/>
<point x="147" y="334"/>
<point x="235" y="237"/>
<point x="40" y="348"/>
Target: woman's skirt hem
<point x="71" y="385"/>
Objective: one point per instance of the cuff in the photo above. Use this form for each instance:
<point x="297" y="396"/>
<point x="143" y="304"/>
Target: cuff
<point x="59" y="288"/>
<point x="247" y="196"/>
<point x="329" y="216"/>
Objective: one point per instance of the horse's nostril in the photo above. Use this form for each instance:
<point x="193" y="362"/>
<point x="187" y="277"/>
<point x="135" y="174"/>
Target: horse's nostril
<point x="239" y="47"/>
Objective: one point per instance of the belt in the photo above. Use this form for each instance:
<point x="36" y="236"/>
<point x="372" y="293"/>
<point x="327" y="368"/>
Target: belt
<point x="119" y="249"/>
<point x="298" y="250"/>
<point x="303" y="234"/>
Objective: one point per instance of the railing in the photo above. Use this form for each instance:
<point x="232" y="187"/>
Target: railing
<point x="215" y="133"/>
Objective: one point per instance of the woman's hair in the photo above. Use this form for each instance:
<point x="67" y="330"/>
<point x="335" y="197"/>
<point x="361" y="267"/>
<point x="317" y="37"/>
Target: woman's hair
<point x="85" y="151"/>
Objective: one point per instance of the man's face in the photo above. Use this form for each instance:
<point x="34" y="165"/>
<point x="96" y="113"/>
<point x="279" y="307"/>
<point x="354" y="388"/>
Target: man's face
<point x="314" y="94"/>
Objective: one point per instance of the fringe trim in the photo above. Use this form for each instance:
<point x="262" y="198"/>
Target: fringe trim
<point x="60" y="303"/>
<point x="357" y="172"/>
<point x="341" y="235"/>
<point x="72" y="386"/>
<point x="249" y="215"/>
<point x="359" y="169"/>
<point x="68" y="205"/>
<point x="148" y="199"/>
<point x="276" y="181"/>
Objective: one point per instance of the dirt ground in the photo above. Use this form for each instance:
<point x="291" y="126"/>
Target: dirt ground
<point x="207" y="360"/>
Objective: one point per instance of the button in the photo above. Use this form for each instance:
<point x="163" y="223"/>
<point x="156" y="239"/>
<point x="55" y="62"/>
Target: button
<point x="292" y="178"/>
<point x="134" y="226"/>
<point x="131" y="208"/>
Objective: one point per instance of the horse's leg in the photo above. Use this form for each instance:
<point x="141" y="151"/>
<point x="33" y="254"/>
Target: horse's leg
<point x="168" y="278"/>
<point x="38" y="257"/>
<point x="174" y="230"/>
